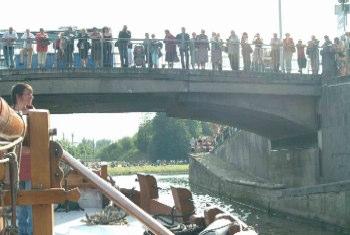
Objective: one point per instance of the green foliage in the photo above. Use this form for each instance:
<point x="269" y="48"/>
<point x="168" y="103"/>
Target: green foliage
<point x="207" y="129"/>
<point x="160" y="138"/>
<point x="101" y="144"/>
<point x="170" y="140"/>
<point x="144" y="136"/>
<point x="194" y="128"/>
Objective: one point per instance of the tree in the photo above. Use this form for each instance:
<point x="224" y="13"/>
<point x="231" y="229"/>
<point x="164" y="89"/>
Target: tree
<point x="194" y="128"/>
<point x="101" y="144"/>
<point x="144" y="136"/>
<point x="170" y="140"/>
<point x="85" y="149"/>
<point x="68" y="146"/>
<point x="111" y="152"/>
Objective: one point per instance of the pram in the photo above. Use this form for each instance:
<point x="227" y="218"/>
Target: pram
<point x="139" y="56"/>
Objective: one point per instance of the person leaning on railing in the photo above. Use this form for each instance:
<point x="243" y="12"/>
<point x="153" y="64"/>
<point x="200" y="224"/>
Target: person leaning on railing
<point x="84" y="47"/>
<point x="22" y="98"/>
<point x="96" y="47"/>
<point x="28" y="39"/>
<point x="42" y="43"/>
<point x="9" y="38"/>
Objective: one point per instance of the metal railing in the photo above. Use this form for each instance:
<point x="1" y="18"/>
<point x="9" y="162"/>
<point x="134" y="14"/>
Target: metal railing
<point x="105" y="53"/>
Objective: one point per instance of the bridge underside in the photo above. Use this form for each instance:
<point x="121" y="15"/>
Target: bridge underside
<point x="270" y="118"/>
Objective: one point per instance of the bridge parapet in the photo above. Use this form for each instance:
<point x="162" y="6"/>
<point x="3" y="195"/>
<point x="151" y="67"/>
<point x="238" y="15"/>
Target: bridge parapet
<point x="274" y="105"/>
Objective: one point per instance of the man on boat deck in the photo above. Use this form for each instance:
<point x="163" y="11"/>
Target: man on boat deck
<point x="22" y="97"/>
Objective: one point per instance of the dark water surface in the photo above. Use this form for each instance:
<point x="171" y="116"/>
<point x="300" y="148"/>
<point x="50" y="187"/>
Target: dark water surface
<point x="262" y="222"/>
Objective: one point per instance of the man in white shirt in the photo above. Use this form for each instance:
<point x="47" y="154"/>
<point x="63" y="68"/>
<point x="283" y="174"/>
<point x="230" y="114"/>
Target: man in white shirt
<point x="27" y="50"/>
<point x="9" y="38"/>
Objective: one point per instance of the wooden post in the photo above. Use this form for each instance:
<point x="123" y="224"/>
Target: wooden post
<point x="104" y="172"/>
<point x="148" y="190"/>
<point x="38" y="120"/>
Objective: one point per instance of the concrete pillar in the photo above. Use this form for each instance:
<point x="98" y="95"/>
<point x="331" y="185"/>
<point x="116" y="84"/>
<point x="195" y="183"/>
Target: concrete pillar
<point x="334" y="110"/>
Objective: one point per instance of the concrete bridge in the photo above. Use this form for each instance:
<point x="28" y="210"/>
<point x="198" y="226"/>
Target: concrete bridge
<point x="278" y="106"/>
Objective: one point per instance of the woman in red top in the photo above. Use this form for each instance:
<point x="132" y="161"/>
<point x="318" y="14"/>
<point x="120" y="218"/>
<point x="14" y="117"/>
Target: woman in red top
<point x="42" y="42"/>
<point x="22" y="98"/>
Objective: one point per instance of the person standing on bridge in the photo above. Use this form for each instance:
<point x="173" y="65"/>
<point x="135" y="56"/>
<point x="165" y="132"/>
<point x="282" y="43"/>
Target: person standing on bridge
<point x="122" y="44"/>
<point x="9" y="38"/>
<point x="22" y="98"/>
<point x="42" y="42"/>
<point x="84" y="47"/>
<point x="183" y="40"/>
<point x="301" y="56"/>
<point x="96" y="41"/>
<point x="313" y="52"/>
<point x="275" y="52"/>
<point x="258" y="53"/>
<point x="194" y="51"/>
<point x="28" y="39"/>
<point x="233" y="50"/>
<point x="170" y="49"/>
<point x="107" y="47"/>
<point x="69" y="47"/>
<point x="246" y="51"/>
<point x="288" y="50"/>
<point x="216" y="51"/>
<point x="340" y="56"/>
<point x="328" y="58"/>
<point x="155" y="51"/>
<point x="203" y="48"/>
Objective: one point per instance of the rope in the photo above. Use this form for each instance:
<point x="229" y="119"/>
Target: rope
<point x="11" y="144"/>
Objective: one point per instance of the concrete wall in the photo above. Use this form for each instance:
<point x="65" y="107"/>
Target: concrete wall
<point x="251" y="154"/>
<point x="335" y="131"/>
<point x="328" y="203"/>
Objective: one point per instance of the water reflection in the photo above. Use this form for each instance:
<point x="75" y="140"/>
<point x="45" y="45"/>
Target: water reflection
<point x="263" y="223"/>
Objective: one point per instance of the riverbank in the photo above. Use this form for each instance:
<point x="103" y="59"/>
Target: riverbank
<point x="149" y="169"/>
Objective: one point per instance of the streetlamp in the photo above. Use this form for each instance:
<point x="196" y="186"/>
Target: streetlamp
<point x="341" y="11"/>
<point x="280" y="29"/>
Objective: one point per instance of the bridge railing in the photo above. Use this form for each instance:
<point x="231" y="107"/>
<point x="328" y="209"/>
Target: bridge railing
<point x="93" y="53"/>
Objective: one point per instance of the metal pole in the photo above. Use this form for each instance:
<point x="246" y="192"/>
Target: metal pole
<point x="117" y="197"/>
<point x="280" y="31"/>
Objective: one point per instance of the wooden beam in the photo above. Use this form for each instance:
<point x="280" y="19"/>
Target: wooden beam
<point x="42" y="197"/>
<point x="43" y="217"/>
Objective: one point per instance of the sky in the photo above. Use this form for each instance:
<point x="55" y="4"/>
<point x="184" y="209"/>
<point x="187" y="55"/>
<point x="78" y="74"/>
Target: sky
<point x="301" y="18"/>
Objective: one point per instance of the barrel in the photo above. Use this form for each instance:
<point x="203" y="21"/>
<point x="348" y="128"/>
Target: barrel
<point x="12" y="125"/>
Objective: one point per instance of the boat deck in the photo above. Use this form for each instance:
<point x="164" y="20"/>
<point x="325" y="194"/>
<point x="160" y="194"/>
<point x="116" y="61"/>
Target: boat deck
<point x="70" y="224"/>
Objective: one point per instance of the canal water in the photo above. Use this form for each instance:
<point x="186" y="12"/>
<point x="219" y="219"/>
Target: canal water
<point x="262" y="222"/>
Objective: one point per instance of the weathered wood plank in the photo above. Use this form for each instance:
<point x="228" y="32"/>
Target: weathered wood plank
<point x="42" y="197"/>
<point x="43" y="217"/>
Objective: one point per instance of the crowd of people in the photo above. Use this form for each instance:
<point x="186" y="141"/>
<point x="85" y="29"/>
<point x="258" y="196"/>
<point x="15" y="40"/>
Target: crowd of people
<point x="209" y="143"/>
<point x="194" y="50"/>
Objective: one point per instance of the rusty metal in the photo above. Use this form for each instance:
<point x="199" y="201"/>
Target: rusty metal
<point x="56" y="171"/>
<point x="117" y="197"/>
<point x="12" y="126"/>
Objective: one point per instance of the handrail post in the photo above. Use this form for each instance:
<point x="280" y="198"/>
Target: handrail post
<point x="40" y="169"/>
